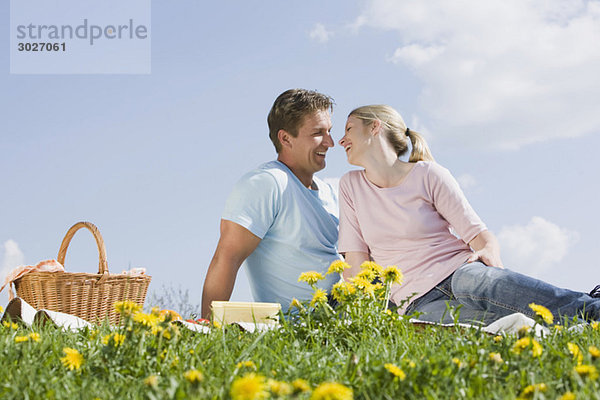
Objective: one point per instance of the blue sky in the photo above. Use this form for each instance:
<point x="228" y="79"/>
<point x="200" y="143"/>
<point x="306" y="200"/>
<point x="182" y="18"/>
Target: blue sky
<point x="506" y="92"/>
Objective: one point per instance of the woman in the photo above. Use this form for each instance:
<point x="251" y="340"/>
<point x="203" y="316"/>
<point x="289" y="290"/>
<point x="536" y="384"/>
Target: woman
<point x="404" y="213"/>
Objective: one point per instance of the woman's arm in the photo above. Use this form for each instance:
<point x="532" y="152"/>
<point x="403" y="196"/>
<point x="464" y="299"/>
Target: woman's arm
<point x="486" y="249"/>
<point x="355" y="259"/>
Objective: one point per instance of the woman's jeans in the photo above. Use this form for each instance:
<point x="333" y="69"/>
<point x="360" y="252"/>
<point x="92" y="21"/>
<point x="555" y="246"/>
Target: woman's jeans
<point x="478" y="293"/>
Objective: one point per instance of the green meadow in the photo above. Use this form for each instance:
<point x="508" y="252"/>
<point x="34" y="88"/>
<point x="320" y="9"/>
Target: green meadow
<point x="357" y="350"/>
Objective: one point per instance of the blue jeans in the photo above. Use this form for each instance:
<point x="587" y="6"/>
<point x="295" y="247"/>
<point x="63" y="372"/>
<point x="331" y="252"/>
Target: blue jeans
<point x="486" y="294"/>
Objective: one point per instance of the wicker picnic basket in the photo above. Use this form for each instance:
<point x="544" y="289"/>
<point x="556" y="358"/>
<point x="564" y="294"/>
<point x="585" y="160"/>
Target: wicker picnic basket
<point x="88" y="296"/>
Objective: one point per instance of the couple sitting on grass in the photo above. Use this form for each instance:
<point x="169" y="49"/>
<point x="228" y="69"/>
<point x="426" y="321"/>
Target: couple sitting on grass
<point x="282" y="220"/>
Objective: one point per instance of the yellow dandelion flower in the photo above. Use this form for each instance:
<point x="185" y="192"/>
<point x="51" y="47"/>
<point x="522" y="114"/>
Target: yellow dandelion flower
<point x="364" y="285"/>
<point x="73" y="359"/>
<point x="391" y="274"/>
<point x="567" y="396"/>
<point x="118" y="339"/>
<point x="34" y="336"/>
<point x="320" y="297"/>
<point x="246" y="364"/>
<point x="542" y="312"/>
<point x="527" y="343"/>
<point x="367" y="274"/>
<point x="523" y="331"/>
<point x="377" y="286"/>
<point x="498" y="338"/>
<point x="311" y="277"/>
<point x="338" y="291"/>
<point x="1" y="309"/>
<point x="296" y="304"/>
<point x="21" y="339"/>
<point x="575" y="351"/>
<point x="530" y="390"/>
<point x="151" y="381"/>
<point x="149" y="320"/>
<point x="127" y="307"/>
<point x="594" y="352"/>
<point x="458" y="363"/>
<point x="10" y="325"/>
<point x="496" y="357"/>
<point x="412" y="364"/>
<point x="156" y="330"/>
<point x="166" y="333"/>
<point x="332" y="391"/>
<point x="301" y="385"/>
<point x="370" y="289"/>
<point x="595" y="325"/>
<point x="279" y="388"/>
<point x="337" y="267"/>
<point x="106" y="339"/>
<point x="360" y="282"/>
<point x="396" y="371"/>
<point x="341" y="290"/>
<point x="193" y="376"/>
<point x="373" y="267"/>
<point x="163" y="354"/>
<point x="249" y="387"/>
<point x="588" y="371"/>
<point x="558" y="328"/>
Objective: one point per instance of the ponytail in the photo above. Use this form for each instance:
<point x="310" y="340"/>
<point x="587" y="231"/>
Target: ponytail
<point x="420" y="149"/>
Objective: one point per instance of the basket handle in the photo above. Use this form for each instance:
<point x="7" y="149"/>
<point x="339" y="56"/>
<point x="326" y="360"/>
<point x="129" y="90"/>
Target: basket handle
<point x="103" y="265"/>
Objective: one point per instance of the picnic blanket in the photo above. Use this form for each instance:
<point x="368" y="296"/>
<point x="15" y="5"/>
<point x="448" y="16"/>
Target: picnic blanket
<point x="19" y="309"/>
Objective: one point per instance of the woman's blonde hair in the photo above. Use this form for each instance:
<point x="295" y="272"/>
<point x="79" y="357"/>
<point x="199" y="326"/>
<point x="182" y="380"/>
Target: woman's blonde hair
<point x="395" y="130"/>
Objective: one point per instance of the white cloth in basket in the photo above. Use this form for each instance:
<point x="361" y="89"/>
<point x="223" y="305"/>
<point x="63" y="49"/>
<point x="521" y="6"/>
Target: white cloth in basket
<point x="16" y="273"/>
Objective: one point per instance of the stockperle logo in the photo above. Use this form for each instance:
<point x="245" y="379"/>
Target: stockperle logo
<point x="84" y="31"/>
<point x="80" y="37"/>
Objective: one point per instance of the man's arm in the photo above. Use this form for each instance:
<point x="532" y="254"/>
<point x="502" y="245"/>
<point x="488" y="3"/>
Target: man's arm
<point x="235" y="245"/>
<point x="486" y="249"/>
<point x="355" y="259"/>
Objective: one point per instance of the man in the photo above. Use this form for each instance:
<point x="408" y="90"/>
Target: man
<point x="280" y="218"/>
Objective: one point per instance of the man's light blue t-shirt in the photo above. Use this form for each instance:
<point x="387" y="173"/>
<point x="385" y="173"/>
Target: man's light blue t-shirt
<point x="298" y="228"/>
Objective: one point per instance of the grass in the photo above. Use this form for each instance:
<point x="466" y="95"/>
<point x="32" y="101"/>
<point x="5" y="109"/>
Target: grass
<point x="374" y="353"/>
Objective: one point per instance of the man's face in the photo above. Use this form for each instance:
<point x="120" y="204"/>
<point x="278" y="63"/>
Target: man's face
<point x="313" y="140"/>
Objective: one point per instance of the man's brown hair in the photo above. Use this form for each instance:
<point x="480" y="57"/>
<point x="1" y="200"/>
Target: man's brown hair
<point x="290" y="108"/>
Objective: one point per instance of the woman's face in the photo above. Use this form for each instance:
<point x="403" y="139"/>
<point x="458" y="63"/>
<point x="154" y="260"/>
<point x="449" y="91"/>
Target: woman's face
<point x="356" y="139"/>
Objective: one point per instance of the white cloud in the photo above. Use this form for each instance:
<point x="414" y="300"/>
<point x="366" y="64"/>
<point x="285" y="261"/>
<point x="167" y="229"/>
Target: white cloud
<point x="466" y="181"/>
<point x="535" y="247"/>
<point x="320" y="33"/>
<point x="499" y="73"/>
<point x="416" y="55"/>
<point x="12" y="257"/>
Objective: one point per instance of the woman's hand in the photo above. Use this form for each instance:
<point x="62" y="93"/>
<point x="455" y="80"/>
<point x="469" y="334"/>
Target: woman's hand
<point x="486" y="250"/>
<point x="355" y="259"/>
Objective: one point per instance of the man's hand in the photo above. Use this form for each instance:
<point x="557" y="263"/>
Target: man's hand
<point x="486" y="250"/>
<point x="235" y="245"/>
